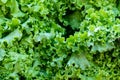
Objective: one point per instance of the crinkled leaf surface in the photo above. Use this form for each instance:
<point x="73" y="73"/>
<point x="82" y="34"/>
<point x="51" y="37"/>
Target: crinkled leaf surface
<point x="59" y="40"/>
<point x="79" y="60"/>
<point x="2" y="54"/>
<point x="10" y="37"/>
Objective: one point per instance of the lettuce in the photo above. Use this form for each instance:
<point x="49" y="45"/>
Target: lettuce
<point x="59" y="40"/>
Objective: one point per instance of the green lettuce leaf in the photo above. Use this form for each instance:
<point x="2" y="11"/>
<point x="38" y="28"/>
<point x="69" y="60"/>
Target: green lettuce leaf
<point x="79" y="60"/>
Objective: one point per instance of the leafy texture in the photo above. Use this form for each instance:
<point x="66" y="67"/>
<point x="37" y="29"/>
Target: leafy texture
<point x="2" y="54"/>
<point x="59" y="40"/>
<point x="79" y="60"/>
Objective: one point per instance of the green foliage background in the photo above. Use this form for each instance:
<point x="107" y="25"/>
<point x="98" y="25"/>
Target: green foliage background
<point x="59" y="40"/>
